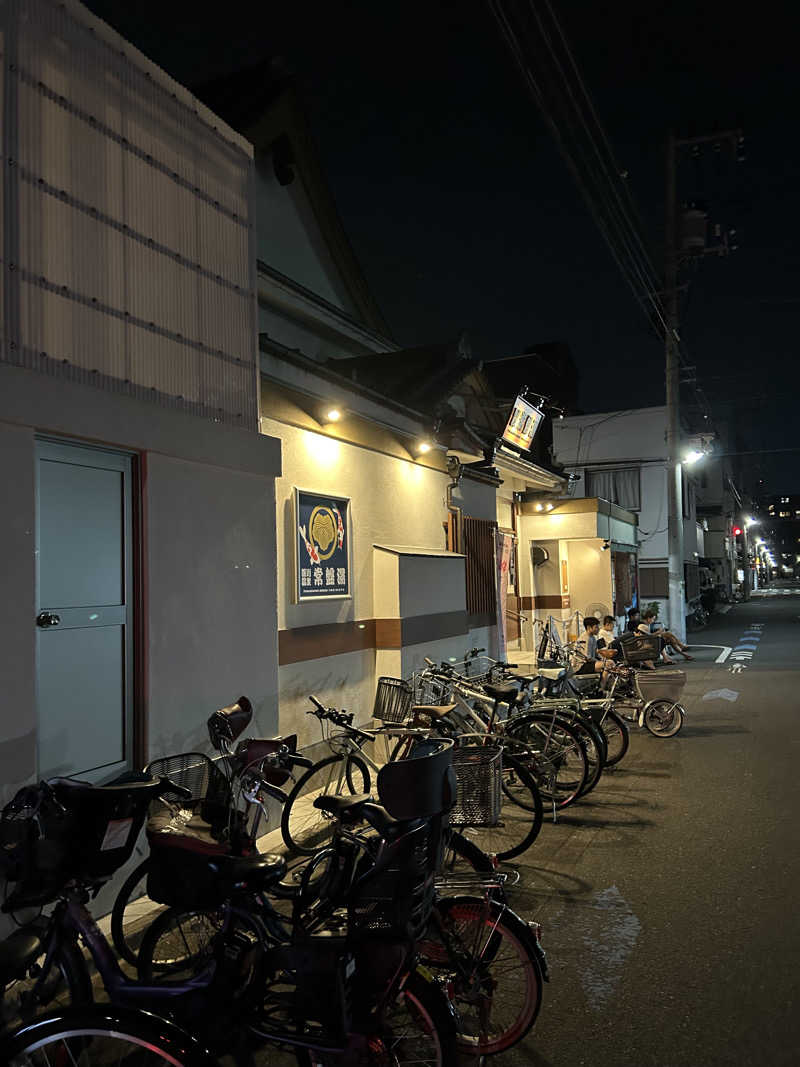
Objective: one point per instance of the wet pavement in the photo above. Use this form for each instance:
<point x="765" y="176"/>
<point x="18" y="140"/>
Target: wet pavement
<point x="669" y="897"/>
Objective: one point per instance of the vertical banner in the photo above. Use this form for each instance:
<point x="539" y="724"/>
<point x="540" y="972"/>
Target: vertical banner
<point x="322" y="546"/>
<point x="504" y="544"/>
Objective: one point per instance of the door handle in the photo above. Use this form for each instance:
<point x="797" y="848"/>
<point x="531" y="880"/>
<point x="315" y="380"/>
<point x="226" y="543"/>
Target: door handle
<point x="46" y="619"/>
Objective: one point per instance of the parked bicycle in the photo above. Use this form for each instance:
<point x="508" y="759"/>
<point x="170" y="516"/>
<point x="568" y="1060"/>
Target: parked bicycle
<point x="359" y="995"/>
<point x="229" y="806"/>
<point x="489" y="958"/>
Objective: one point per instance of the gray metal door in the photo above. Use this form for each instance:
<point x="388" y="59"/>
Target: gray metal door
<point x="84" y="611"/>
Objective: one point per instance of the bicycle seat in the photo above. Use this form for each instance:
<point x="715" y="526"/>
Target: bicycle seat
<point x="553" y="674"/>
<point x="251" y="872"/>
<point x="20" y="950"/>
<point x="339" y="805"/>
<point x="437" y="710"/>
<point x="505" y="694"/>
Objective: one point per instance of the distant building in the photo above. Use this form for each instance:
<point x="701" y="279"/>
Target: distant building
<point x="781" y="528"/>
<point x="620" y="457"/>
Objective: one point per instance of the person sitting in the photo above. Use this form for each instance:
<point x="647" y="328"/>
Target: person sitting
<point x="608" y="644"/>
<point x="648" y="625"/>
<point x="634" y="621"/>
<point x="586" y="660"/>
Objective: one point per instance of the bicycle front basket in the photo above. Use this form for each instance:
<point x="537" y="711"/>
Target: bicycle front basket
<point x="479" y="771"/>
<point x="393" y="699"/>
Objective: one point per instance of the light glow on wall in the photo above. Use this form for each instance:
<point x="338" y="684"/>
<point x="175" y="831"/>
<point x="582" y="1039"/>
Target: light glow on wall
<point x="324" y="451"/>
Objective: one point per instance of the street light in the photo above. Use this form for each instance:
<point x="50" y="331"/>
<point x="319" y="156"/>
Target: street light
<point x="693" y="456"/>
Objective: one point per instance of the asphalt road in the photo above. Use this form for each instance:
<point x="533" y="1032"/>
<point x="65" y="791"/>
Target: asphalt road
<point x="670" y="898"/>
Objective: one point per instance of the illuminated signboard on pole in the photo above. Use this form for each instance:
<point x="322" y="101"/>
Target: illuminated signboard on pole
<point x="522" y="424"/>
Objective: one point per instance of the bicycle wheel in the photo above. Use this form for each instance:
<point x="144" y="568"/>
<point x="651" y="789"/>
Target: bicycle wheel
<point x="663" y="718"/>
<point x="555" y="756"/>
<point x="520" y="820"/>
<point x="132" y="913"/>
<point x="489" y="958"/>
<point x="306" y="829"/>
<point x="594" y="747"/>
<point x="65" y="982"/>
<point x="417" y="1029"/>
<point x="617" y="737"/>
<point x="180" y="943"/>
<point x="102" y="1036"/>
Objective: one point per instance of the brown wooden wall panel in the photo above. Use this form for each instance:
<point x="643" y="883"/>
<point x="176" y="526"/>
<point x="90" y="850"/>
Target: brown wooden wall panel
<point x="481" y="565"/>
<point x="337" y="638"/>
<point x="329" y="639"/>
<point x="528" y="603"/>
<point x="388" y="633"/>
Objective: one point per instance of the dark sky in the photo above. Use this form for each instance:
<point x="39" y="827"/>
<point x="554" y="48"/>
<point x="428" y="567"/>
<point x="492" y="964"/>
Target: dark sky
<point x="464" y="216"/>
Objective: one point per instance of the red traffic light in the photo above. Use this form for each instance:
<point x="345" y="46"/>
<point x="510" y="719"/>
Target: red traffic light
<point x="736" y="531"/>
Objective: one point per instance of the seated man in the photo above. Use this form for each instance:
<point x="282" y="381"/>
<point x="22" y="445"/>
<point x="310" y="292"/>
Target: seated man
<point x="648" y="625"/>
<point x="586" y="660"/>
<point x="634" y="621"/>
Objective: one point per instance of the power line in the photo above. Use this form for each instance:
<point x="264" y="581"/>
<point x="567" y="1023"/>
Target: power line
<point x="573" y="121"/>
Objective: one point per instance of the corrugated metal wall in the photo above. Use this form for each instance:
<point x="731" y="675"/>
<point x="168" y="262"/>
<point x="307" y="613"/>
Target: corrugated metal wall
<point x="128" y="221"/>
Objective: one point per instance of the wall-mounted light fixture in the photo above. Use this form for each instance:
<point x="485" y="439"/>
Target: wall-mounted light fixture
<point x="538" y="507"/>
<point x="333" y="414"/>
<point x="423" y="447"/>
<point x="606" y="545"/>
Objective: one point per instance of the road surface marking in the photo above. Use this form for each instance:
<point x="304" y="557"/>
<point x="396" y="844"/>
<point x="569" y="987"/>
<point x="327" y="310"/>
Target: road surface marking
<point x="722" y="694"/>
<point x="726" y="651"/>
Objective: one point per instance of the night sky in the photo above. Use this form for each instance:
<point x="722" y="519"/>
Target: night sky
<point x="464" y="216"/>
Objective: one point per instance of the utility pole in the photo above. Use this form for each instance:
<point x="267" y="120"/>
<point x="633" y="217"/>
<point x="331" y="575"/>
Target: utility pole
<point x="677" y="584"/>
<point x="672" y="254"/>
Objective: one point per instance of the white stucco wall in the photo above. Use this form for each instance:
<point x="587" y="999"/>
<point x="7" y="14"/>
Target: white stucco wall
<point x="393" y="502"/>
<point x="589" y="576"/>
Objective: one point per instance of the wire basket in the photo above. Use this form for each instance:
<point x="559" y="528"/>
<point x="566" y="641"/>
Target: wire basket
<point x="479" y="772"/>
<point x="393" y="700"/>
<point x="660" y="685"/>
<point x="638" y="648"/>
<point x="429" y="688"/>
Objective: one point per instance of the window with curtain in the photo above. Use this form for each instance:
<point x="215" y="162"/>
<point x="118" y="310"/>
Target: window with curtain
<point x="619" y="486"/>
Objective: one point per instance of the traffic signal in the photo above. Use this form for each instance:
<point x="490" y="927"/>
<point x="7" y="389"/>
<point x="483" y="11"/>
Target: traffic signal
<point x="736" y="531"/>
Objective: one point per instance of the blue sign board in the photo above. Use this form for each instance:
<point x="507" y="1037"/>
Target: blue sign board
<point x="322" y="546"/>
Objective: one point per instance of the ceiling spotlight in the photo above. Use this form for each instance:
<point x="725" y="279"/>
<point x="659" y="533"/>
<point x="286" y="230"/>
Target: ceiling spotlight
<point x="538" y="507"/>
<point x="549" y="507"/>
<point x="423" y="447"/>
<point x="333" y="414"/>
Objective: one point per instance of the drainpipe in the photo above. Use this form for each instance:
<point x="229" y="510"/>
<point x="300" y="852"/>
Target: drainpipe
<point x="454" y="470"/>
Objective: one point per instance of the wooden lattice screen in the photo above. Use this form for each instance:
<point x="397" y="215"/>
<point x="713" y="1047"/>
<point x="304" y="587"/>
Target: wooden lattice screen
<point x="479" y="548"/>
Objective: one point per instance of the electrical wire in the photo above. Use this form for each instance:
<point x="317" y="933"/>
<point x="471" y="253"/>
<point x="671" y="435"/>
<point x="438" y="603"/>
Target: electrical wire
<point x="599" y="179"/>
